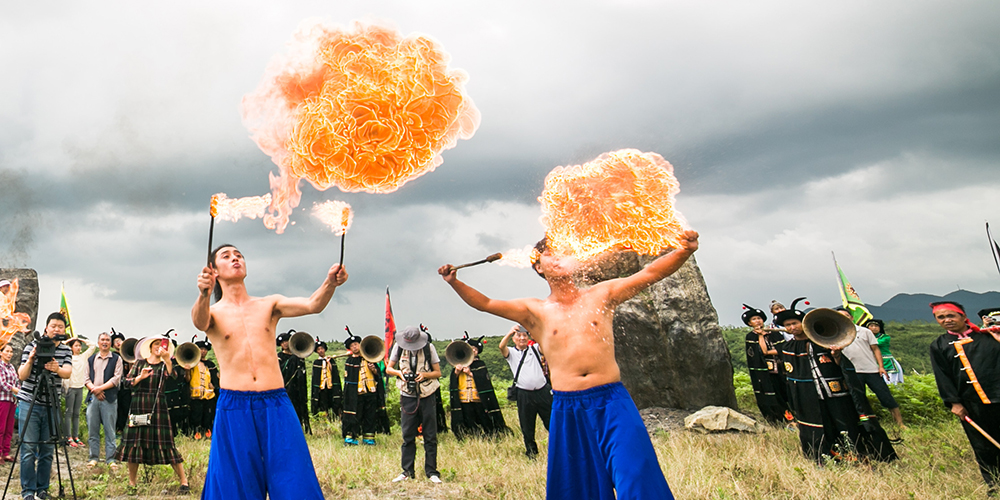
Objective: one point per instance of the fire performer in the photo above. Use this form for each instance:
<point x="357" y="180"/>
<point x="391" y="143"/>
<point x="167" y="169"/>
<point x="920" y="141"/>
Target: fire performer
<point x="254" y="437"/>
<point x="293" y="372"/>
<point x="598" y="445"/>
<point x="474" y="407"/>
<point x="766" y="377"/>
<point x="966" y="362"/>
<point x="364" y="397"/>
<point x="326" y="391"/>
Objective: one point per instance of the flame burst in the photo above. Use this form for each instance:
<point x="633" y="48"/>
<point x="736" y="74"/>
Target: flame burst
<point x="336" y="214"/>
<point x="11" y="322"/>
<point x="232" y="209"/>
<point x="517" y="257"/>
<point x="622" y="199"/>
<point x="363" y="108"/>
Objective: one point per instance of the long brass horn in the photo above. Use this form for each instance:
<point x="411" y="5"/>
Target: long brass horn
<point x="301" y="344"/>
<point x="829" y="328"/>
<point x="188" y="355"/>
<point x="459" y="353"/>
<point x="372" y="349"/>
<point x="127" y="350"/>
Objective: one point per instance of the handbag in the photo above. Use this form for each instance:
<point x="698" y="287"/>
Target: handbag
<point x="146" y="419"/>
<point x="512" y="390"/>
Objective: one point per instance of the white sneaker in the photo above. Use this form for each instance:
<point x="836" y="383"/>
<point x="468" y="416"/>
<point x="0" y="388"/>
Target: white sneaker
<point x="436" y="479"/>
<point x="401" y="477"/>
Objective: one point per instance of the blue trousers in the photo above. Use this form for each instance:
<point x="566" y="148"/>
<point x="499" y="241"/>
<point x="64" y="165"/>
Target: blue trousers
<point x="258" y="450"/>
<point x="101" y="413"/>
<point x="598" y="446"/>
<point x="36" y="458"/>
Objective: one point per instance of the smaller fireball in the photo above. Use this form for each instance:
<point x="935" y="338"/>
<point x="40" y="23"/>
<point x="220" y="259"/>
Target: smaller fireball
<point x="232" y="209"/>
<point x="336" y="214"/>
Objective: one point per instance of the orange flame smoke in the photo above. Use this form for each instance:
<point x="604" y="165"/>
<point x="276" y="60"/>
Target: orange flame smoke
<point x="336" y="214"/>
<point x="232" y="209"/>
<point x="621" y="199"/>
<point x="11" y="322"/>
<point x="363" y="108"/>
<point x="517" y="257"/>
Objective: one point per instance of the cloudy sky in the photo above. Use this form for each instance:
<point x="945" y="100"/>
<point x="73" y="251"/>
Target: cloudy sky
<point x="795" y="129"/>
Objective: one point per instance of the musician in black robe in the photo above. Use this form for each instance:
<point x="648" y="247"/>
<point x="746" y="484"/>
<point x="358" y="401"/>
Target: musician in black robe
<point x="474" y="407"/>
<point x="177" y="394"/>
<point x="293" y="372"/>
<point x="966" y="362"/>
<point x="766" y="377"/>
<point x="364" y="398"/>
<point x="327" y="395"/>
<point x="124" y="390"/>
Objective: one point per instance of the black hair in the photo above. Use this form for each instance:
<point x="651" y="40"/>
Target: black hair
<point x="211" y="263"/>
<point x="956" y="304"/>
<point x="540" y="247"/>
<point x="880" y="323"/>
<point x="56" y="315"/>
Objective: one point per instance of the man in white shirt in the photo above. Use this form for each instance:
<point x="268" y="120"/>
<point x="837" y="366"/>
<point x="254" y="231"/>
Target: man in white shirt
<point x="534" y="394"/>
<point x="867" y="360"/>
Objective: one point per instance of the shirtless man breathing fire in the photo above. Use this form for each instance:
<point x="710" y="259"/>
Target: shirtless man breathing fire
<point x="258" y="448"/>
<point x="598" y="445"/>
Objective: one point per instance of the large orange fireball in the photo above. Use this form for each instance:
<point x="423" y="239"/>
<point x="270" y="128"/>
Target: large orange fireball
<point x="11" y="322"/>
<point x="363" y="109"/>
<point x="622" y="199"/>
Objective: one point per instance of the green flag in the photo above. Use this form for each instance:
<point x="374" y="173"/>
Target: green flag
<point x="850" y="298"/>
<point x="64" y="309"/>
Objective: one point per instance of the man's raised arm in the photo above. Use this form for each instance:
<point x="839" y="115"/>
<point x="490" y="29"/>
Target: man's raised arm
<point x="514" y="310"/>
<point x="623" y="289"/>
<point x="201" y="314"/>
<point x="290" y="307"/>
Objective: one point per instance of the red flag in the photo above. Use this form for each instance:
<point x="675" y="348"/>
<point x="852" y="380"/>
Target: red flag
<point x="390" y="325"/>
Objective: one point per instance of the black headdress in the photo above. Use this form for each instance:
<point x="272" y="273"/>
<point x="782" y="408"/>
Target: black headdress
<point x="992" y="311"/>
<point x="477" y="343"/>
<point x="284" y="337"/>
<point x="351" y="338"/>
<point x="202" y="344"/>
<point x="319" y="343"/>
<point x="751" y="312"/>
<point x="880" y="323"/>
<point x="116" y="335"/>
<point x="790" y="313"/>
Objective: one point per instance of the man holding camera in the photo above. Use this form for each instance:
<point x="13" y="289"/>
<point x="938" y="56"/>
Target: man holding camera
<point x="36" y="444"/>
<point x="533" y="393"/>
<point x="419" y="369"/>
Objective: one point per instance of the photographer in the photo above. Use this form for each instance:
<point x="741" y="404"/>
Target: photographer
<point x="419" y="369"/>
<point x="36" y="450"/>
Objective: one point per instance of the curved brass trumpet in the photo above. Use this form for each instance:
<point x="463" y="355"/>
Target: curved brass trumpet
<point x="188" y="355"/>
<point x="127" y="350"/>
<point x="459" y="353"/>
<point x="372" y="349"/>
<point x="829" y="328"/>
<point x="302" y="344"/>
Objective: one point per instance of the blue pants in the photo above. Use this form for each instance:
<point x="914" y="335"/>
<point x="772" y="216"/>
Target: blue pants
<point x="36" y="458"/>
<point x="258" y="450"/>
<point x="101" y="413"/>
<point x="598" y="446"/>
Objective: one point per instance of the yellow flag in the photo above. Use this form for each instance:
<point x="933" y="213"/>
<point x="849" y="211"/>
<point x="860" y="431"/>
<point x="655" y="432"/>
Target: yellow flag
<point x="64" y="309"/>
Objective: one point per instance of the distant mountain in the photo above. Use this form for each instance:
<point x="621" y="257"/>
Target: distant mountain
<point x="913" y="306"/>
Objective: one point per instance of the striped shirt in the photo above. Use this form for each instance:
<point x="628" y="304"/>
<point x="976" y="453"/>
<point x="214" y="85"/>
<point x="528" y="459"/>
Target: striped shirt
<point x="8" y="381"/>
<point x="63" y="355"/>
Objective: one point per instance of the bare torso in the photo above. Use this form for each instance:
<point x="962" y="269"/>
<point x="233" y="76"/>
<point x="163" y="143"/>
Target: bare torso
<point x="577" y="338"/>
<point x="242" y="336"/>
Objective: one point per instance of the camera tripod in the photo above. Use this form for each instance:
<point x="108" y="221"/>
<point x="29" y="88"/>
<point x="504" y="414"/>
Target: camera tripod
<point x="47" y="386"/>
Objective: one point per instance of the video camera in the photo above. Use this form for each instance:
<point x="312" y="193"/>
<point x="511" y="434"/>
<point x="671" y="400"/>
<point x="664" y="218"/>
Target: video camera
<point x="45" y="348"/>
<point x="412" y="386"/>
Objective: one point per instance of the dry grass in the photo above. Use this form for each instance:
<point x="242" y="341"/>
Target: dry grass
<point x="936" y="462"/>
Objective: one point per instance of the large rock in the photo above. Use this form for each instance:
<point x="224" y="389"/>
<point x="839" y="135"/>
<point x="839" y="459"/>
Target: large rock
<point x="667" y="338"/>
<point x="27" y="302"/>
<point x="720" y="419"/>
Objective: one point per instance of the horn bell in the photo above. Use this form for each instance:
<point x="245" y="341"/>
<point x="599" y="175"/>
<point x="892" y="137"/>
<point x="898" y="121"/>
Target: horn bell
<point x="829" y="328"/>
<point x="127" y="350"/>
<point x="372" y="349"/>
<point x="301" y="344"/>
<point x="459" y="353"/>
<point x="188" y="355"/>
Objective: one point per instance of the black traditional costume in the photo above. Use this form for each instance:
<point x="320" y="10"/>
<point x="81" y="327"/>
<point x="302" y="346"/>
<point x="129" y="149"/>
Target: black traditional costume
<point x="766" y="375"/>
<point x="293" y="373"/>
<point x="124" y="390"/>
<point x="364" y="412"/>
<point x="178" y="396"/>
<point x="474" y="407"/>
<point x="967" y="371"/>
<point x="204" y="391"/>
<point x="327" y="395"/>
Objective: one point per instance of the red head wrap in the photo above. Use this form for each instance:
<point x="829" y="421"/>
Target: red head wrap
<point x="948" y="306"/>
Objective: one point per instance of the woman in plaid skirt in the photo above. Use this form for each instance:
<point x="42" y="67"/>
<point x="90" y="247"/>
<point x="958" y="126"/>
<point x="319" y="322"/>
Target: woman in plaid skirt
<point x="151" y="444"/>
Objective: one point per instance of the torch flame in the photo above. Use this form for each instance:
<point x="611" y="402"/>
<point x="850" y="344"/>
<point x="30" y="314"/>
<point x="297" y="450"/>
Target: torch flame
<point x="336" y="214"/>
<point x="517" y="257"/>
<point x="362" y="108"/>
<point x="622" y="199"/>
<point x="232" y="209"/>
<point x="11" y="322"/>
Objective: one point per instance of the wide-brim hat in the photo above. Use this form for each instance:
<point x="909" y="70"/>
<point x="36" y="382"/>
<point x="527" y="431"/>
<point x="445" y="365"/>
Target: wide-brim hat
<point x="751" y="312"/>
<point x="144" y="347"/>
<point x="411" y="339"/>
